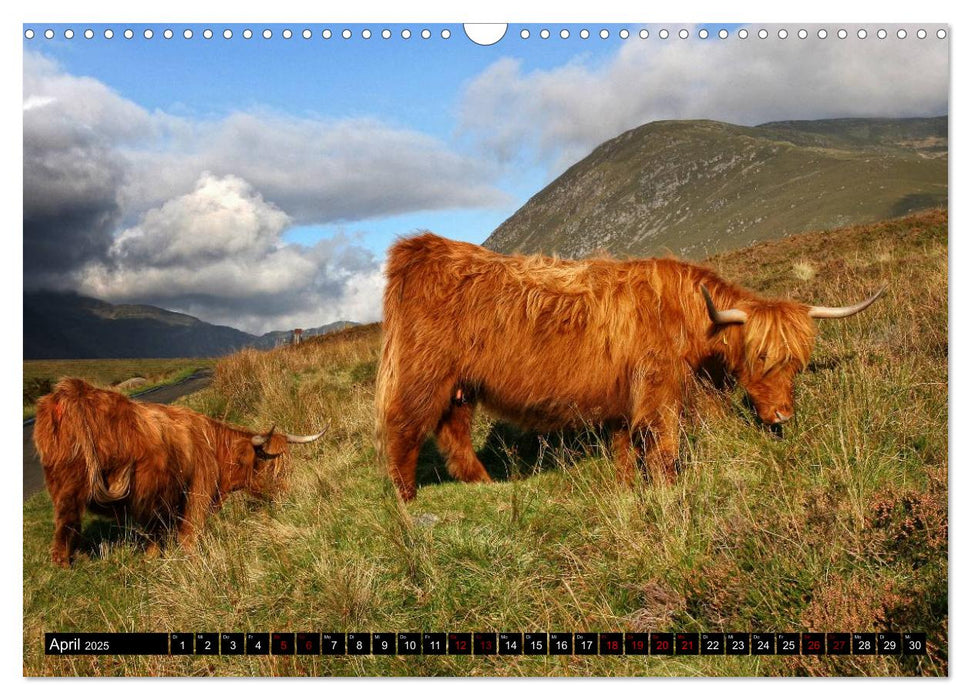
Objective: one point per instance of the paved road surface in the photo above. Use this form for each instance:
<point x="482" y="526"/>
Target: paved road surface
<point x="34" y="473"/>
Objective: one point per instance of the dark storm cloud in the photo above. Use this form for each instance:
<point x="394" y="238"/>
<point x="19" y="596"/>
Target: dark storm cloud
<point x="72" y="170"/>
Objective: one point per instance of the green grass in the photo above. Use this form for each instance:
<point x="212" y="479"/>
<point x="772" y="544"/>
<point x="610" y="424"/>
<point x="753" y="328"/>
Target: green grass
<point x="40" y="376"/>
<point x="840" y="526"/>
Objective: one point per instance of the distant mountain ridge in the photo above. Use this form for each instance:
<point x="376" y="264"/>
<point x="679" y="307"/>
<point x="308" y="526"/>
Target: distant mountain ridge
<point x="59" y="325"/>
<point x="699" y="187"/>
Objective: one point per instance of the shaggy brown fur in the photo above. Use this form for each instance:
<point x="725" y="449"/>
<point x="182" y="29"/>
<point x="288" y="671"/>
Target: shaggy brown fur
<point x="549" y="344"/>
<point x="159" y="466"/>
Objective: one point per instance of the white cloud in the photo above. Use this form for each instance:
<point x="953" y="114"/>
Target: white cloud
<point x="217" y="252"/>
<point x="559" y="115"/>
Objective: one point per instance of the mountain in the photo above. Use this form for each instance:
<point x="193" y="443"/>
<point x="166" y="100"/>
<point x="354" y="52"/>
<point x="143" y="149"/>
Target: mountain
<point x="273" y="339"/>
<point x="699" y="187"/>
<point x="60" y="325"/>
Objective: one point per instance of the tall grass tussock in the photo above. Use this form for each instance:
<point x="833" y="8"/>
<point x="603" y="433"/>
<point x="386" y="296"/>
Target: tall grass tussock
<point x="839" y="526"/>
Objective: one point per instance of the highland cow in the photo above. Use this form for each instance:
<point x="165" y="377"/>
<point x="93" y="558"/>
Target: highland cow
<point x="161" y="467"/>
<point x="549" y="344"/>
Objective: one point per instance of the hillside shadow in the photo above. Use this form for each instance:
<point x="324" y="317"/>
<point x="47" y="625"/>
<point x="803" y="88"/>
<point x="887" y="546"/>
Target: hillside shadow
<point x="509" y="452"/>
<point x="908" y="204"/>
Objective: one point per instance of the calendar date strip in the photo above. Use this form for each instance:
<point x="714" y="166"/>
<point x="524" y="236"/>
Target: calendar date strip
<point x="484" y="643"/>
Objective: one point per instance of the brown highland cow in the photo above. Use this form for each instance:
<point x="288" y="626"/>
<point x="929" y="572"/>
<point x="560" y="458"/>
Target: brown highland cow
<point x="158" y="466"/>
<point x="550" y="344"/>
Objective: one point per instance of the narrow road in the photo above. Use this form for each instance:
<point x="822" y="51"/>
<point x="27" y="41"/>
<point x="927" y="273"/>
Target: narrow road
<point x="34" y="473"/>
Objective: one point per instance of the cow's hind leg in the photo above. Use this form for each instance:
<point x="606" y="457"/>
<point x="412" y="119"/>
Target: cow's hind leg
<point x="454" y="437"/>
<point x="403" y="445"/>
<point x="67" y="528"/>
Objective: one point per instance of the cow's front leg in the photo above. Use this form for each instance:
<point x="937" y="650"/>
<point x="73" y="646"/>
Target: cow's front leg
<point x="197" y="505"/>
<point x="662" y="443"/>
<point x="623" y="457"/>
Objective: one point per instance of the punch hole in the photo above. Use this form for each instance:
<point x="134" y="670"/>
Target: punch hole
<point x="267" y="33"/>
<point x="346" y="34"/>
<point x="366" y="33"/>
<point x="148" y="34"/>
<point x="604" y="33"/>
<point x="783" y="34"/>
<point x="861" y="33"/>
<point x="524" y="33"/>
<point x="405" y="33"/>
<point x="921" y="34"/>
<point x="446" y="33"/>
<point x="722" y="33"/>
<point x="168" y="33"/>
<point x="743" y="33"/>
<point x="227" y="34"/>
<point x="306" y="34"/>
<point x="564" y="33"/>
<point x="584" y="33"/>
<point x="822" y="34"/>
<point x="386" y="34"/>
<point x="207" y="34"/>
<point x="89" y="34"/>
<point x="881" y="34"/>
<point x="842" y="34"/>
<point x="49" y="34"/>
<point x="327" y="34"/>
<point x="901" y="33"/>
<point x="683" y="33"/>
<point x="425" y="34"/>
<point x="68" y="33"/>
<point x="109" y="33"/>
<point x="187" y="34"/>
<point x="544" y="34"/>
<point x="287" y="34"/>
<point x="941" y="34"/>
<point x="248" y="33"/>
<point x="802" y="34"/>
<point x="664" y="33"/>
<point x="763" y="34"/>
<point x="624" y="34"/>
<point x="489" y="34"/>
<point x="703" y="34"/>
<point x="29" y="34"/>
<point x="129" y="34"/>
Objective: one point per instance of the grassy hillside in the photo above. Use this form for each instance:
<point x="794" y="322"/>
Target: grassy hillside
<point x="699" y="187"/>
<point x="840" y="526"/>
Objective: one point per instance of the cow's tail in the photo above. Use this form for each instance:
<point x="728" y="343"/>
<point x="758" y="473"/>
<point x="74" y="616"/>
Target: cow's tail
<point x="388" y="372"/>
<point x="401" y="257"/>
<point x="64" y="429"/>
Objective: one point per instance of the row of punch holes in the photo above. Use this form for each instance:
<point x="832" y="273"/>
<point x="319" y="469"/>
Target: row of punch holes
<point x="524" y="33"/>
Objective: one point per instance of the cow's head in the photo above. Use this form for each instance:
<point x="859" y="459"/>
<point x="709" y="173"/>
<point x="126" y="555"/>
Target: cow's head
<point x="270" y="460"/>
<point x="771" y="343"/>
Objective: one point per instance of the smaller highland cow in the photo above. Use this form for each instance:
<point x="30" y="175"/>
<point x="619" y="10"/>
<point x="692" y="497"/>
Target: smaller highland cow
<point x="159" y="466"/>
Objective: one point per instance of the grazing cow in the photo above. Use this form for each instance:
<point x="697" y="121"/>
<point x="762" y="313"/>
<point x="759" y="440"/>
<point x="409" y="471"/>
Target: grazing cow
<point x="550" y="344"/>
<point x="159" y="466"/>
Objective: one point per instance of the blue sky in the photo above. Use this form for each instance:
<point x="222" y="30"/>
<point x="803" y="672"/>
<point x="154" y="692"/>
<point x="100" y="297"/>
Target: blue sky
<point x="258" y="182"/>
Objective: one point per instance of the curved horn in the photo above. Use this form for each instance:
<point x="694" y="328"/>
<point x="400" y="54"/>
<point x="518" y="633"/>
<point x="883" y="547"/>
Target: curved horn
<point x="262" y="439"/>
<point x="843" y="311"/>
<point x="724" y="316"/>
<point x="301" y="439"/>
